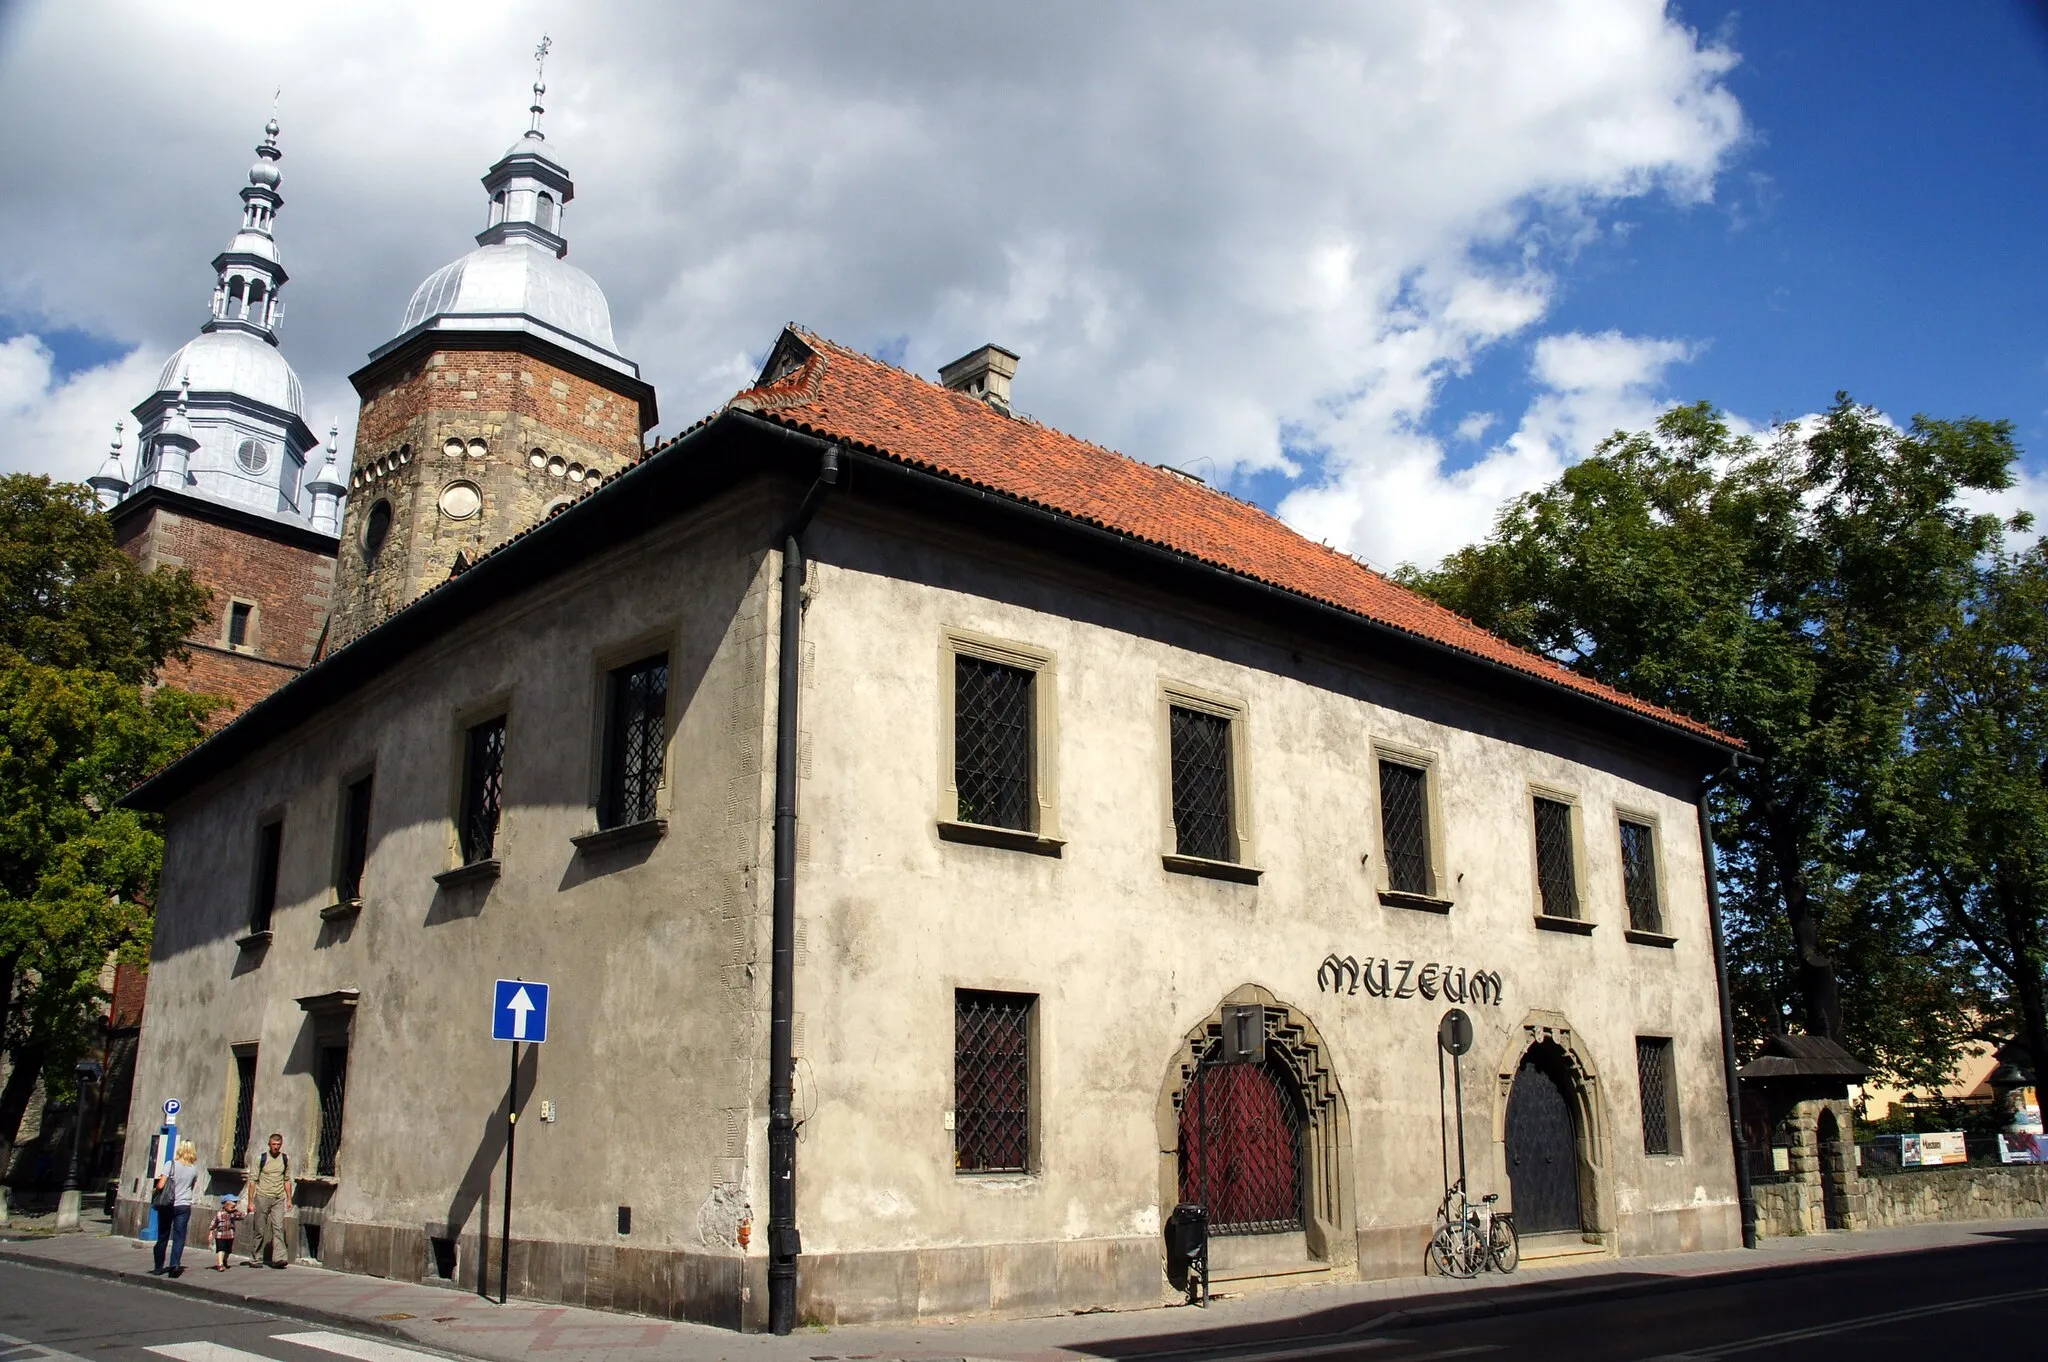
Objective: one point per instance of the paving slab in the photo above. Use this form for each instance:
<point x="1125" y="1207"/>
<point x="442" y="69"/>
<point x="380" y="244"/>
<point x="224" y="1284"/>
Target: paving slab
<point x="1232" y="1329"/>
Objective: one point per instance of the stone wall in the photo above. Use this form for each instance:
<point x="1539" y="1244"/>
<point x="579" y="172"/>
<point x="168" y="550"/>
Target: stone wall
<point x="1917" y="1196"/>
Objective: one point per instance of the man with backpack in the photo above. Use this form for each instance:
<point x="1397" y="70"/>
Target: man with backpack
<point x="268" y="1196"/>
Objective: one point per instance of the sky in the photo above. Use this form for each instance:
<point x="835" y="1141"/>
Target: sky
<point x="1376" y="267"/>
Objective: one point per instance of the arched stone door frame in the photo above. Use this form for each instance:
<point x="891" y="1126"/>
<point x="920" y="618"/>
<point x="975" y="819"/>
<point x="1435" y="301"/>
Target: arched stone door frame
<point x="1589" y="1108"/>
<point x="1292" y="1038"/>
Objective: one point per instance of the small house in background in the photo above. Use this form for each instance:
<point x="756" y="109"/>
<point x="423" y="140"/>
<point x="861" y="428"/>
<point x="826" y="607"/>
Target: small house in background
<point x="1799" y="1126"/>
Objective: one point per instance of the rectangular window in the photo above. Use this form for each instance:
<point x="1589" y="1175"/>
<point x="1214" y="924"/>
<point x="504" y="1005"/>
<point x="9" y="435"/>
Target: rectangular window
<point x="992" y="742"/>
<point x="243" y="1108"/>
<point x="991" y="1081"/>
<point x="269" y="848"/>
<point x="1657" y="1084"/>
<point x="1203" y="824"/>
<point x="1404" y="827"/>
<point x="1556" y="872"/>
<point x="483" y="774"/>
<point x="636" y="736"/>
<point x="238" y="623"/>
<point x="331" y="1078"/>
<point x="1639" y="876"/>
<point x="355" y="840"/>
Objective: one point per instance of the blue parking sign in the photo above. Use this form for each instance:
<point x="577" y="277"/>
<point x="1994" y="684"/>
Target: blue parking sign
<point x="519" y="1011"/>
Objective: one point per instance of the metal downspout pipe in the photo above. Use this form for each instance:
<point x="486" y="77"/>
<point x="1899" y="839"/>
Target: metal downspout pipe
<point x="1745" y="1194"/>
<point x="784" y="1244"/>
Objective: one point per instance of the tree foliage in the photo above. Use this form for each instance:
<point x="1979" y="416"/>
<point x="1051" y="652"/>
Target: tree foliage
<point x="83" y="633"/>
<point x="1978" y="782"/>
<point x="1787" y="590"/>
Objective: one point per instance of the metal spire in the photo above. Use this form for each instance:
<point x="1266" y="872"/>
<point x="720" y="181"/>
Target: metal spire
<point x="540" y="64"/>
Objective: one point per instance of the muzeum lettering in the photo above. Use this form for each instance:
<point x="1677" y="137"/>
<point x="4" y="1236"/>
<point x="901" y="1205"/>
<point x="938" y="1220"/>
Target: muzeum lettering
<point x="1384" y="978"/>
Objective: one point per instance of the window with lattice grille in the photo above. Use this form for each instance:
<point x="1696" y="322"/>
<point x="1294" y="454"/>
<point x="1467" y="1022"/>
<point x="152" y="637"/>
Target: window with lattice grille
<point x="355" y="839"/>
<point x="331" y="1083"/>
<point x="636" y="741"/>
<point x="1556" y="870"/>
<point x="483" y="776"/>
<point x="1639" y="876"/>
<point x="1404" y="827"/>
<point x="1657" y="1085"/>
<point x="993" y="752"/>
<point x="269" y="850"/>
<point x="991" y="1081"/>
<point x="244" y="1106"/>
<point x="1202" y="815"/>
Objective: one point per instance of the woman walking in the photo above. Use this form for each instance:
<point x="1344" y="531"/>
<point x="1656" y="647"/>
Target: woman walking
<point x="175" y="1192"/>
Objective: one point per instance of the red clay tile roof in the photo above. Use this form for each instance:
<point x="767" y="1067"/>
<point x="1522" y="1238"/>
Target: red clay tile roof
<point x="847" y="396"/>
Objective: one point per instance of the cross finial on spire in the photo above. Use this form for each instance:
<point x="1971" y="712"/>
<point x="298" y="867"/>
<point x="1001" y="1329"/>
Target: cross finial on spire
<point x="540" y="65"/>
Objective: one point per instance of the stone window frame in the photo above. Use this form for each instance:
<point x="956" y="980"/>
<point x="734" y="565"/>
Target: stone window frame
<point x="1243" y="867"/>
<point x="231" y="1105"/>
<point x="496" y="705"/>
<point x="664" y="639"/>
<point x="1430" y="763"/>
<point x="1044" y="834"/>
<point x="251" y="626"/>
<point x="329" y="1025"/>
<point x="1035" y="1051"/>
<point x="351" y="776"/>
<point x="1661" y="936"/>
<point x="259" y="934"/>
<point x="1583" y="924"/>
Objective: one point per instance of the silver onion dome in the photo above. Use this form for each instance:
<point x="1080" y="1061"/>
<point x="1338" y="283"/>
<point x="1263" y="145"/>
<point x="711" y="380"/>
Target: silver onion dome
<point x="239" y="363"/>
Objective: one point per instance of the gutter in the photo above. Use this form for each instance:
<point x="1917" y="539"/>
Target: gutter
<point x="1745" y="1193"/>
<point x="784" y="1242"/>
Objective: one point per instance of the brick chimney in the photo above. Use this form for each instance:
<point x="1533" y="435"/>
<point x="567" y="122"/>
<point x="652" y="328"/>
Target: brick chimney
<point x="983" y="373"/>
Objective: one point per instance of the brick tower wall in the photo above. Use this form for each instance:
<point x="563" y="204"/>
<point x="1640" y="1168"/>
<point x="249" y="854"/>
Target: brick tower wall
<point x="288" y="584"/>
<point x="545" y="432"/>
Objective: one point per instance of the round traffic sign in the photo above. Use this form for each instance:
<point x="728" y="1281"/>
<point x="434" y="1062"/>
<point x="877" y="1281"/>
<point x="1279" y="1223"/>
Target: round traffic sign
<point x="172" y="1106"/>
<point x="1454" y="1032"/>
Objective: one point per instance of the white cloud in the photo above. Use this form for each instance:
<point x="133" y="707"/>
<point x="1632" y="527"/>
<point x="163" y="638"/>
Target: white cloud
<point x="1248" y="238"/>
<point x="61" y="426"/>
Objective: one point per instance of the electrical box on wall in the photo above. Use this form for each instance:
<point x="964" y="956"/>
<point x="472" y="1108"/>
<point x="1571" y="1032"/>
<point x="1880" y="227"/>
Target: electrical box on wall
<point x="547" y="1111"/>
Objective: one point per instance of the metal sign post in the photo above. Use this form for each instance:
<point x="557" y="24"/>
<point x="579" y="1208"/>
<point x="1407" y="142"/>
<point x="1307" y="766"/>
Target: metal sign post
<point x="1454" y="1038"/>
<point x="519" y="1013"/>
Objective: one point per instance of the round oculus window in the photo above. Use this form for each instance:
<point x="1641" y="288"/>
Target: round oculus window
<point x="477" y="449"/>
<point x="252" y="456"/>
<point x="452" y="449"/>
<point x="461" y="500"/>
<point x="376" y="528"/>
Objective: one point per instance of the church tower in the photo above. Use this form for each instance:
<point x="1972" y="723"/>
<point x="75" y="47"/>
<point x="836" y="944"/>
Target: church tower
<point x="220" y="483"/>
<point x="501" y="395"/>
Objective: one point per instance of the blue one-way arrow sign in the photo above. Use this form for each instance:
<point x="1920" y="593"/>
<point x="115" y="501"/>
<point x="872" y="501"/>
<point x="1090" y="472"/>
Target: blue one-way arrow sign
<point x="519" y="1011"/>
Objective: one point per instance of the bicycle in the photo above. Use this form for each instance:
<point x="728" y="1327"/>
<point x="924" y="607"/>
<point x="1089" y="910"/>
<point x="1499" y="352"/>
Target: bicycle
<point x="1472" y="1238"/>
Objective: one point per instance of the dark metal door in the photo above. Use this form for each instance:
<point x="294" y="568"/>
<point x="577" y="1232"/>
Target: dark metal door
<point x="1240" y="1148"/>
<point x="1543" y="1152"/>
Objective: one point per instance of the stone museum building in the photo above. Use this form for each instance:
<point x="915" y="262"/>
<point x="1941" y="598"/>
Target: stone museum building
<point x="905" y="802"/>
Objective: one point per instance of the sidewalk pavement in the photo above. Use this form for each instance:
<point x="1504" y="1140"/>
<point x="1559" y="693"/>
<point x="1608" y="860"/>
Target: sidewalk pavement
<point x="1235" y="1327"/>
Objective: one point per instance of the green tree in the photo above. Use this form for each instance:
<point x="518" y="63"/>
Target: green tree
<point x="1786" y="590"/>
<point x="83" y="633"/>
<point x="1979" y="777"/>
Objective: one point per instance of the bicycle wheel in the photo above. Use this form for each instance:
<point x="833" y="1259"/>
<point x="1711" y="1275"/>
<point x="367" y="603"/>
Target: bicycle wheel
<point x="1447" y="1256"/>
<point x="1504" y="1249"/>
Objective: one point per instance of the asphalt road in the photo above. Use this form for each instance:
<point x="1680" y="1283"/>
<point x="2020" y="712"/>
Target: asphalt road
<point x="1983" y="1302"/>
<point x="57" y="1316"/>
<point x="1980" y="1302"/>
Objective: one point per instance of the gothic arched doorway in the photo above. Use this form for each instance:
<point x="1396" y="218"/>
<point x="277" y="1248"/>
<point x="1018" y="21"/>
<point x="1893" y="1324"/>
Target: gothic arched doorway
<point x="1241" y="1131"/>
<point x="1543" y="1139"/>
<point x="1264" y="1145"/>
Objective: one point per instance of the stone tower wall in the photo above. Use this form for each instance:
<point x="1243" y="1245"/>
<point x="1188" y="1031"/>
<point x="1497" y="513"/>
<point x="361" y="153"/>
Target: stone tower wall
<point x="524" y="434"/>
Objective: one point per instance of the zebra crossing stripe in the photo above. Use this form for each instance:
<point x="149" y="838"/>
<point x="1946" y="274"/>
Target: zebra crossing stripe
<point x="205" y="1352"/>
<point x="361" y="1349"/>
<point x="14" y="1349"/>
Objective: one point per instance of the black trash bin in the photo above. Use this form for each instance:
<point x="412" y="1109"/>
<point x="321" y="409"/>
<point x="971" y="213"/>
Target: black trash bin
<point x="1187" y="1248"/>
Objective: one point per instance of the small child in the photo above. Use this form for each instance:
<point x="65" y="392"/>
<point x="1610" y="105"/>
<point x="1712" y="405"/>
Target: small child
<point x="223" y="1232"/>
